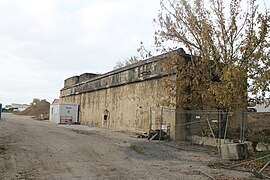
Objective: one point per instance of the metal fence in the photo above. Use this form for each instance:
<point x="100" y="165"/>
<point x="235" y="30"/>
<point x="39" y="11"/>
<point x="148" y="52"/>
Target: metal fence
<point x="258" y="130"/>
<point x="210" y="128"/>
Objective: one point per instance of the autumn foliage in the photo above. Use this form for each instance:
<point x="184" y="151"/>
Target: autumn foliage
<point x="229" y="51"/>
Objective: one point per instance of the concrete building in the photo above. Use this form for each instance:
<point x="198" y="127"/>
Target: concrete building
<point x="121" y="99"/>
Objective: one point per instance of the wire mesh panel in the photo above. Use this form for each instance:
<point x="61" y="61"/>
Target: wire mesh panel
<point x="211" y="128"/>
<point x="155" y="118"/>
<point x="236" y="127"/>
<point x="257" y="130"/>
<point x="160" y="121"/>
<point x="201" y="127"/>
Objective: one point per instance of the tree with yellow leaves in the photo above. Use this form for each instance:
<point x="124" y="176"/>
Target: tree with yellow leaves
<point x="229" y="52"/>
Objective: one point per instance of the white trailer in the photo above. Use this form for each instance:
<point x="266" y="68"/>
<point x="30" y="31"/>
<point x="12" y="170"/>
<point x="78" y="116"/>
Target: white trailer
<point x="64" y="113"/>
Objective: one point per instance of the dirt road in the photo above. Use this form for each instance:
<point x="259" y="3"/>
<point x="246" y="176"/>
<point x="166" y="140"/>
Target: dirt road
<point x="32" y="149"/>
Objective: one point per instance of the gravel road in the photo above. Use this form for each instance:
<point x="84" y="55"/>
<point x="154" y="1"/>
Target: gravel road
<point x="31" y="149"/>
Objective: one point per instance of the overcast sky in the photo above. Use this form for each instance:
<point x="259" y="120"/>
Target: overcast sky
<point x="44" y="42"/>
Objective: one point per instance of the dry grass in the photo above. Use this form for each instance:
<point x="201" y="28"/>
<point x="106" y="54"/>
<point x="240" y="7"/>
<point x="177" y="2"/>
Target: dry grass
<point x="139" y="150"/>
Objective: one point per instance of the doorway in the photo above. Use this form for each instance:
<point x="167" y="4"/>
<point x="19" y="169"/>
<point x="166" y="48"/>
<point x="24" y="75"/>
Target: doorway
<point x="106" y="117"/>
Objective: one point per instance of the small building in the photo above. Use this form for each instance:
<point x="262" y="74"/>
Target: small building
<point x="63" y="113"/>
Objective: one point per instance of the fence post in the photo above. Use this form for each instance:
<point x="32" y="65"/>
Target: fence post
<point x="210" y="127"/>
<point x="226" y="127"/>
<point x="244" y="125"/>
<point x="150" y="123"/>
<point x="219" y="128"/>
<point x="241" y="127"/>
<point x="161" y="120"/>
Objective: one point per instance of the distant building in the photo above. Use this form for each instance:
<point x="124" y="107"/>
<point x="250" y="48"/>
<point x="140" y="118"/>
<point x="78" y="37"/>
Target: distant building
<point x="20" y="107"/>
<point x="255" y="107"/>
<point x="8" y="106"/>
<point x="262" y="107"/>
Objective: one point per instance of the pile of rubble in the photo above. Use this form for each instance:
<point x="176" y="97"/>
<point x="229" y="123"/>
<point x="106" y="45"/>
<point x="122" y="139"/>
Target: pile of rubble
<point x="40" y="110"/>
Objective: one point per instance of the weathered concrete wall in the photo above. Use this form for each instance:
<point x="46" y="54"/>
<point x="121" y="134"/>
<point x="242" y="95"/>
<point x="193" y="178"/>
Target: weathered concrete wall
<point x="86" y="76"/>
<point x="143" y="71"/>
<point x="121" y="99"/>
<point x="126" y="107"/>
<point x="71" y="81"/>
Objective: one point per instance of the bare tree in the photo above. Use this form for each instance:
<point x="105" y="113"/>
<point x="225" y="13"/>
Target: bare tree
<point x="128" y="61"/>
<point x="144" y="53"/>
